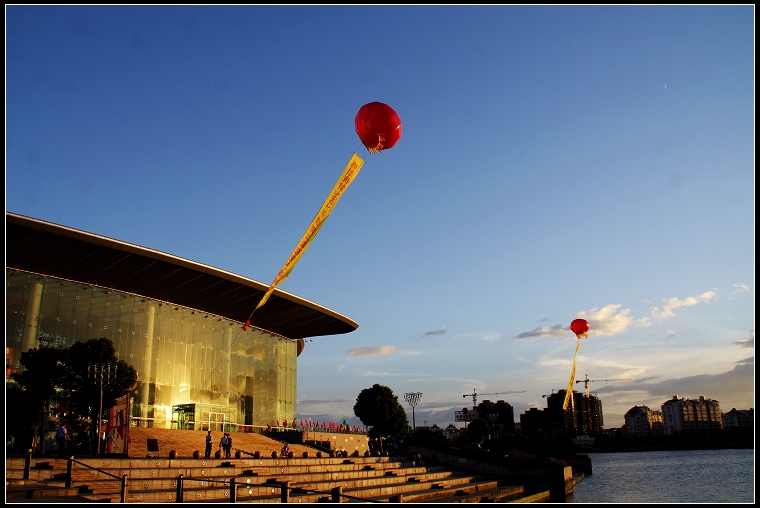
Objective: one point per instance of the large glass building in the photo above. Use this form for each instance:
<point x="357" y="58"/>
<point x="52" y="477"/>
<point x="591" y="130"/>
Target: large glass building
<point x="177" y="322"/>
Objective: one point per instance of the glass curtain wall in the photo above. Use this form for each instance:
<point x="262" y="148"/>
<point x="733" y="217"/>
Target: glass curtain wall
<point x="182" y="356"/>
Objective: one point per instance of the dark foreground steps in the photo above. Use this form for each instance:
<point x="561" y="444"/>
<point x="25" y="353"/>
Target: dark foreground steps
<point x="309" y="480"/>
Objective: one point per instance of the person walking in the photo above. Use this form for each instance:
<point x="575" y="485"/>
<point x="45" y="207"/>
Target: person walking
<point x="208" y="445"/>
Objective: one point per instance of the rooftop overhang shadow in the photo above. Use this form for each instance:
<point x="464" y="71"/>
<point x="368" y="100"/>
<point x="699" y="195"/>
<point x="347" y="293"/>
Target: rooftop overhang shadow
<point x="50" y="249"/>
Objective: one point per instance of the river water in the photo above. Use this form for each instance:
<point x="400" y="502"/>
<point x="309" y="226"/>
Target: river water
<point x="688" y="476"/>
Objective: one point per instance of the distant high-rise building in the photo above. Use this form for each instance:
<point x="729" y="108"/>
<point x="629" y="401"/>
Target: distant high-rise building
<point x="739" y="418"/>
<point x="686" y="414"/>
<point x="558" y="421"/>
<point x="501" y="415"/>
<point x="640" y="420"/>
<point x="583" y="416"/>
<point x="591" y="417"/>
<point x="534" y="419"/>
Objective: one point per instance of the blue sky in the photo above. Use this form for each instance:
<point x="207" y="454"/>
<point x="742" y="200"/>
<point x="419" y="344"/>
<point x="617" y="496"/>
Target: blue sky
<point x="556" y="162"/>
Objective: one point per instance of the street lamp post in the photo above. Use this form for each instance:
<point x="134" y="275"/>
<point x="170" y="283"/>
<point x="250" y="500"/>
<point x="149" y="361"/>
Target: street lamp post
<point x="412" y="399"/>
<point x="44" y="342"/>
<point x="98" y="371"/>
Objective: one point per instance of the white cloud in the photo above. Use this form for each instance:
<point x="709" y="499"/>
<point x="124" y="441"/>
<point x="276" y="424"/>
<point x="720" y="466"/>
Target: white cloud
<point x="747" y="343"/>
<point x="610" y="320"/>
<point x="408" y="352"/>
<point x="735" y="387"/>
<point x="670" y="304"/>
<point x="487" y="336"/>
<point x="544" y="331"/>
<point x="554" y="362"/>
<point x="372" y="351"/>
<point x="740" y="286"/>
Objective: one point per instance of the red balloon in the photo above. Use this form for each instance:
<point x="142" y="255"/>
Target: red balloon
<point x="579" y="327"/>
<point x="378" y="126"/>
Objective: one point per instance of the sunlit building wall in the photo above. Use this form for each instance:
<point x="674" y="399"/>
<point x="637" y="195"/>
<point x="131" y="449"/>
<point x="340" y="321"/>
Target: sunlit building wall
<point x="178" y="322"/>
<point x="583" y="416"/>
<point x="687" y="414"/>
<point x="640" y="420"/>
<point x="592" y="417"/>
<point x="739" y="418"/>
<point x="181" y="355"/>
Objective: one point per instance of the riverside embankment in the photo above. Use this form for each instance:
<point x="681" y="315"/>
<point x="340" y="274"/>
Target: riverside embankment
<point x="558" y="477"/>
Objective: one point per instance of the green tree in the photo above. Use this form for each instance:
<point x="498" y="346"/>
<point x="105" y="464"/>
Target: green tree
<point x="478" y="430"/>
<point x="68" y="374"/>
<point x="499" y="414"/>
<point x="83" y="381"/>
<point x="539" y="443"/>
<point x="20" y="418"/>
<point x="379" y="409"/>
<point x="44" y="371"/>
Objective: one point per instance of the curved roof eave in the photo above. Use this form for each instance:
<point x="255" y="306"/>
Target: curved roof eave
<point x="51" y="249"/>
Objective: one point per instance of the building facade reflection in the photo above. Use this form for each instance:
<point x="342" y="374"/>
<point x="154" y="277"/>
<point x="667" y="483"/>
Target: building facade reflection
<point x="182" y="355"/>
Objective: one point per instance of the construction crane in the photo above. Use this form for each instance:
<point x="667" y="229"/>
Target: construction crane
<point x="547" y="394"/>
<point x="586" y="381"/>
<point x="474" y="395"/>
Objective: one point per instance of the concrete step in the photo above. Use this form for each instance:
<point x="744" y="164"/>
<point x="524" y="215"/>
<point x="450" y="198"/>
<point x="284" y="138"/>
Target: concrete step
<point x="167" y="478"/>
<point x="537" y="497"/>
<point x="484" y="493"/>
<point x="38" y="492"/>
<point x="424" y="491"/>
<point x="321" y="481"/>
<point x="185" y="442"/>
<point x="154" y="480"/>
<point x="205" y="490"/>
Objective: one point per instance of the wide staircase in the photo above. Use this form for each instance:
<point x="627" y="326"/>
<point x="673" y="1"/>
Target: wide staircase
<point x="354" y="478"/>
<point x="185" y="442"/>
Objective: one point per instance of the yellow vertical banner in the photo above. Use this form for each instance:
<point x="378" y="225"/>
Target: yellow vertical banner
<point x="569" y="392"/>
<point x="348" y="175"/>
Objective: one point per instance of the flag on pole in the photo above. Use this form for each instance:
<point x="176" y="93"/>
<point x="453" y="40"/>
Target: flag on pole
<point x="348" y="175"/>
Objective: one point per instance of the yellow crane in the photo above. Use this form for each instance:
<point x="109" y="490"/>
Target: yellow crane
<point x="474" y="395"/>
<point x="586" y="381"/>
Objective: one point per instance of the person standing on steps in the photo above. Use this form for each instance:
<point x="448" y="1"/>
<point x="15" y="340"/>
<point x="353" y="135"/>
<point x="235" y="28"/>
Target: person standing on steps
<point x="208" y="445"/>
<point x="228" y="446"/>
<point x="60" y="437"/>
<point x="223" y="445"/>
